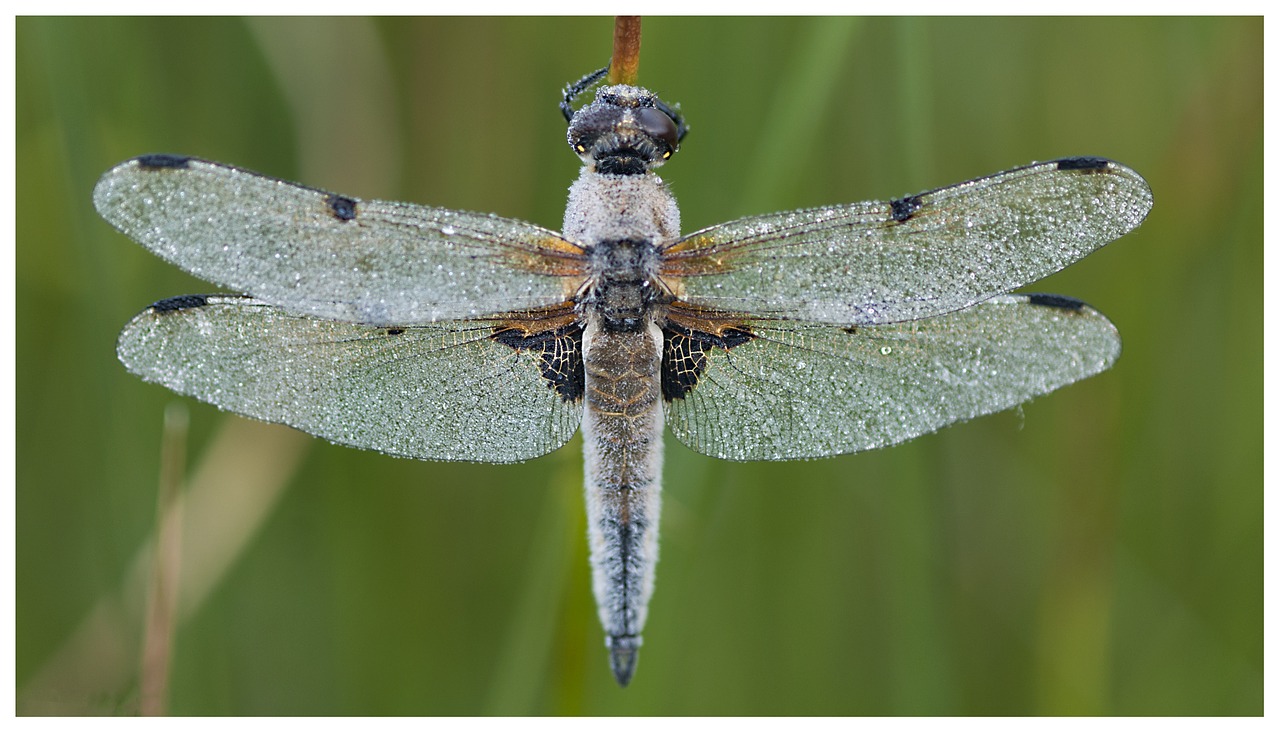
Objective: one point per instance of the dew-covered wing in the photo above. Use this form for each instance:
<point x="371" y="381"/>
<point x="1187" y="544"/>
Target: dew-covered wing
<point x="334" y="256"/>
<point x="452" y="391"/>
<point x="891" y="261"/>
<point x="796" y="390"/>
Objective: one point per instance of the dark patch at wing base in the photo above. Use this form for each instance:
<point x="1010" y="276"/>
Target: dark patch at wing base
<point x="560" y="356"/>
<point x="684" y="355"/>
<point x="163" y="160"/>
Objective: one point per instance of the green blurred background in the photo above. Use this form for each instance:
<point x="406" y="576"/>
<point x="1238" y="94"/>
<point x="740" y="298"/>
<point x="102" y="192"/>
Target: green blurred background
<point x="1096" y="552"/>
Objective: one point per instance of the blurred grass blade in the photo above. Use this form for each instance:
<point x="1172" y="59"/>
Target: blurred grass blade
<point x="161" y="618"/>
<point x="241" y="477"/>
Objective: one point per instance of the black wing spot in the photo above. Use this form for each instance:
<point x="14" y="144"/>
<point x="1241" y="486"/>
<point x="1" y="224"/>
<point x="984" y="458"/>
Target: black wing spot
<point x="560" y="356"/>
<point x="341" y="206"/>
<point x="1085" y="164"/>
<point x="1055" y="301"/>
<point x="732" y="337"/>
<point x="851" y="330"/>
<point x="684" y="356"/>
<point x="178" y="303"/>
<point x="906" y="207"/>
<point x="394" y="331"/>
<point x="156" y="161"/>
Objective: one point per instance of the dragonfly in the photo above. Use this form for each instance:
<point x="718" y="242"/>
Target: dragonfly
<point x="446" y="335"/>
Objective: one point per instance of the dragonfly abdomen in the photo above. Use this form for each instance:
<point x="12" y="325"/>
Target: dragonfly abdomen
<point x="622" y="437"/>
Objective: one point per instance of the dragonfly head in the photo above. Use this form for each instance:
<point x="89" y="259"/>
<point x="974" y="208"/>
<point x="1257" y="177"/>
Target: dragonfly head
<point x="626" y="130"/>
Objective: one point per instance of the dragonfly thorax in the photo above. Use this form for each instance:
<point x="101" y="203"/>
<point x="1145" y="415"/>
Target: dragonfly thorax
<point x="622" y="290"/>
<point x="626" y="130"/>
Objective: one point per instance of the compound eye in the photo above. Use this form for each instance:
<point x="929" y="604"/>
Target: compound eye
<point x="658" y="125"/>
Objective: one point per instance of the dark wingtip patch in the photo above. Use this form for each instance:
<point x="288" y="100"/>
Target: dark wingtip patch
<point x="905" y="207"/>
<point x="181" y="302"/>
<point x="1085" y="164"/>
<point x="159" y="161"/>
<point x="341" y="206"/>
<point x="1056" y="301"/>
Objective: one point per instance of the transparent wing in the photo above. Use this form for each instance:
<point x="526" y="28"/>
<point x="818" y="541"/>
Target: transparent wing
<point x="334" y="256"/>
<point x="801" y="391"/>
<point x="886" y="262"/>
<point x="447" y="392"/>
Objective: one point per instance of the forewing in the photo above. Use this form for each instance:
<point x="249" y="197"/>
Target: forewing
<point x="334" y="256"/>
<point x="449" y="391"/>
<point x="799" y="390"/>
<point x="886" y="262"/>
